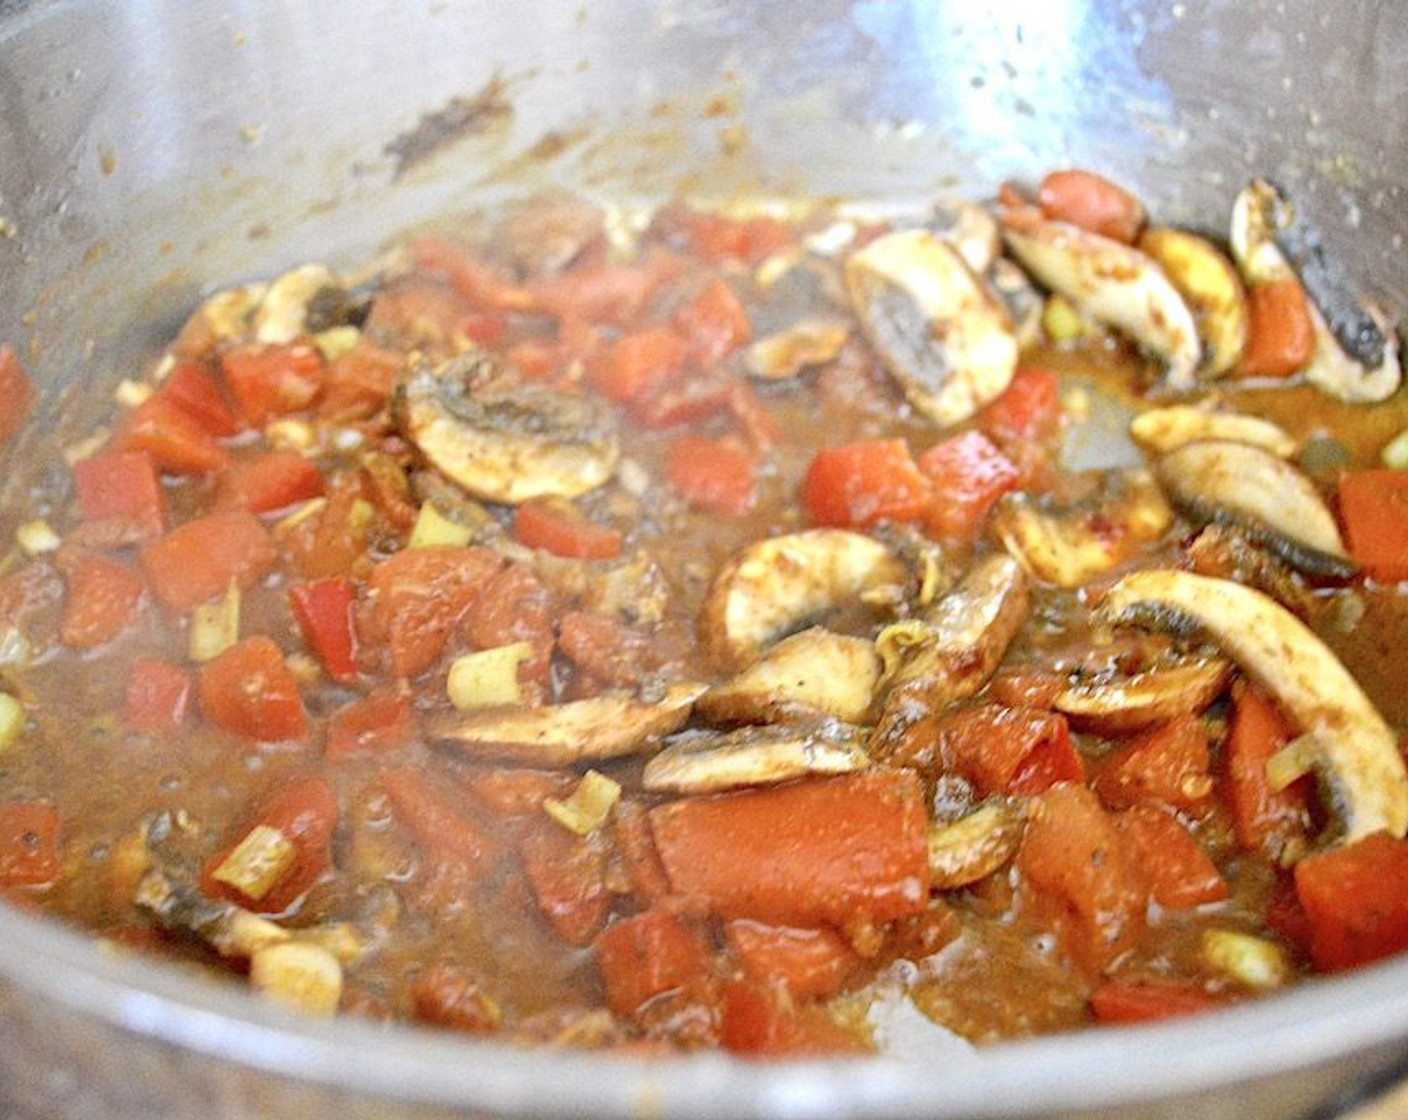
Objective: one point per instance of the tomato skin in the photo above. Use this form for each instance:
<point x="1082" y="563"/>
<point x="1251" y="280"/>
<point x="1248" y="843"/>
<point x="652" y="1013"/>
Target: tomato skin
<point x="268" y="483"/>
<point x="17" y="391"/>
<point x="1150" y="999"/>
<point x="323" y="611"/>
<point x="1356" y="899"/>
<point x="808" y="963"/>
<point x="1168" y="764"/>
<point x="191" y="387"/>
<point x="121" y="489"/>
<point x="158" y="698"/>
<point x="855" y="486"/>
<point x="968" y="474"/>
<point x="305" y="811"/>
<point x="272" y="381"/>
<point x="646" y="955"/>
<point x="1374" y="509"/>
<point x="556" y="526"/>
<point x="29" y="844"/>
<point x="1280" y="332"/>
<point x="177" y="443"/>
<point x="197" y="561"/>
<point x="375" y="723"/>
<point x="716" y="475"/>
<point x="103" y="599"/>
<point x="249" y="690"/>
<point x="1092" y="202"/>
<point x="1179" y="872"/>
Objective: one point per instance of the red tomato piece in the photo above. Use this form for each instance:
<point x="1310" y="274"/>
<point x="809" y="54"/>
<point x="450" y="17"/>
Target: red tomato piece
<point x="249" y="690"/>
<point x="514" y="607"/>
<point x="1356" y="899"/>
<point x="29" y="844"/>
<point x="102" y="601"/>
<point x="514" y="791"/>
<point x="761" y="1022"/>
<point x="441" y="831"/>
<point x="123" y="490"/>
<point x="647" y="955"/>
<point x="158" y="698"/>
<point x="605" y="293"/>
<point x="638" y="365"/>
<point x="269" y="482"/>
<point x="825" y="852"/>
<point x="1006" y="750"/>
<point x="418" y="598"/>
<point x="479" y="284"/>
<point x="1262" y="819"/>
<point x="449" y="995"/>
<point x="323" y="611"/>
<point x="372" y="724"/>
<point x="714" y="322"/>
<point x="968" y="474"/>
<point x="717" y="237"/>
<point x="1374" y="508"/>
<point x="808" y="963"/>
<point x="272" y="381"/>
<point x="191" y="387"/>
<point x="1092" y="202"/>
<point x="305" y="811"/>
<point x="1168" y="764"/>
<point x="1147" y="999"/>
<point x="1179" y="872"/>
<point x="177" y="442"/>
<point x="359" y="383"/>
<point x="635" y="848"/>
<point x="1280" y="332"/>
<point x="568" y="876"/>
<point x="716" y="475"/>
<point x="17" y="391"/>
<point x="1083" y="877"/>
<point x="557" y="526"/>
<point x="197" y="561"/>
<point x="855" y="486"/>
<point x="1028" y="409"/>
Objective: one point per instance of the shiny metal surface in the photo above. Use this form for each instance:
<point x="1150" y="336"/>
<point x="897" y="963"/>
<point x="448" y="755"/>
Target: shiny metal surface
<point x="152" y="149"/>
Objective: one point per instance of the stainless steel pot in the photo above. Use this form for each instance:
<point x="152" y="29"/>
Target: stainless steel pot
<point x="151" y="150"/>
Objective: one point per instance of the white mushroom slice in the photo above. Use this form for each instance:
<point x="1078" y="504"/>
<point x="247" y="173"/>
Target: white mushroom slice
<point x="777" y="586"/>
<point x="223" y="317"/>
<point x="711" y="762"/>
<point x="1359" y="766"/>
<point x="601" y="727"/>
<point x="1335" y="372"/>
<point x="507" y="441"/>
<point x="1267" y="497"/>
<point x="1023" y="302"/>
<point x="811" y="674"/>
<point x="1068" y="547"/>
<point x="950" y="652"/>
<point x="1209" y="283"/>
<point x="1120" y="705"/>
<point x="811" y="342"/>
<point x="976" y="845"/>
<point x="970" y="229"/>
<point x="1165" y="429"/>
<point x="1114" y="284"/>
<point x="283" y="313"/>
<point x="943" y="336"/>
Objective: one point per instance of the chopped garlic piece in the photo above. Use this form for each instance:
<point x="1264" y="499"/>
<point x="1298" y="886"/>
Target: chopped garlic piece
<point x="1395" y="452"/>
<point x="487" y="678"/>
<point x="12" y="720"/>
<point x="433" y="529"/>
<point x="36" y="537"/>
<point x="131" y="393"/>
<point x="586" y="808"/>
<point x="215" y="627"/>
<point x="1253" y="962"/>
<point x="295" y="435"/>
<point x="334" y="342"/>
<point x="299" y="975"/>
<point x="257" y="863"/>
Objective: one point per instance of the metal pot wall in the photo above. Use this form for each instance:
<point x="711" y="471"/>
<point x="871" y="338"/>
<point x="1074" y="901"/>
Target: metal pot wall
<point x="150" y="151"/>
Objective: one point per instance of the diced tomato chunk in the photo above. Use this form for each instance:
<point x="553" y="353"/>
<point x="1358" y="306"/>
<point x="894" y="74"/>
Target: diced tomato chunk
<point x="819" y="852"/>
<point x="557" y="526"/>
<point x="441" y="830"/>
<point x="1374" y="508"/>
<point x="304" y="811"/>
<point x="449" y="995"/>
<point x="645" y="956"/>
<point x="1147" y="999"/>
<point x="968" y="474"/>
<point x="197" y="561"/>
<point x="757" y="1021"/>
<point x="1356" y="899"/>
<point x="103" y="599"/>
<point x="29" y="844"/>
<point x="999" y="749"/>
<point x="516" y="791"/>
<point x="1168" y="764"/>
<point x="714" y="322"/>
<point x="250" y="690"/>
<point x="638" y="365"/>
<point x="1092" y="202"/>
<point x="191" y="387"/>
<point x="1028" y="409"/>
<point x="359" y="383"/>
<point x="269" y="482"/>
<point x="17" y="393"/>
<point x="176" y="441"/>
<point x="809" y="963"/>
<point x="323" y="611"/>
<point x="1180" y="874"/>
<point x="272" y="381"/>
<point x="158" y="697"/>
<point x="478" y="283"/>
<point x="1262" y="819"/>
<point x="718" y="476"/>
<point x="515" y="606"/>
<point x="568" y="876"/>
<point x="121" y="489"/>
<point x="860" y="484"/>
<point x="1280" y="331"/>
<point x="379" y="721"/>
<point x="720" y="238"/>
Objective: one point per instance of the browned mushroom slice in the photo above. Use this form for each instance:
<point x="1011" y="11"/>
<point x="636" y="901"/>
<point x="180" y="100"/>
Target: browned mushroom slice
<point x="1161" y="430"/>
<point x="1114" y="284"/>
<point x="1209" y="283"/>
<point x="785" y="354"/>
<point x="971" y="848"/>
<point x="282" y="315"/>
<point x="564" y="734"/>
<point x="950" y="652"/>
<point x="1118" y="705"/>
<point x="505" y="440"/>
<point x="943" y="336"/>
<point x="1272" y="501"/>
<point x="1353" y="750"/>
<point x="810" y="674"/>
<point x="777" y="586"/>
<point x="710" y="762"/>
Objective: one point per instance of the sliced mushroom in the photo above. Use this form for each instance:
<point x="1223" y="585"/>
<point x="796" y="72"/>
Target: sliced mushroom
<point x="943" y="336"/>
<point x="971" y="848"/>
<point x="711" y="762"/>
<point x="1019" y="295"/>
<point x="608" y="726"/>
<point x="1068" y="547"/>
<point x="811" y="674"/>
<point x="505" y="440"/>
<point x="1165" y="429"/>
<point x="282" y="315"/>
<point x="1357" y="759"/>
<point x="810" y="342"/>
<point x="1118" y="705"/>
<point x="1209" y="283"/>
<point x="1114" y="284"/>
<point x="779" y="585"/>
<point x="1356" y="354"/>
<point x="223" y="317"/>
<point x="952" y="651"/>
<point x="1265" y="496"/>
<point x="970" y="229"/>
